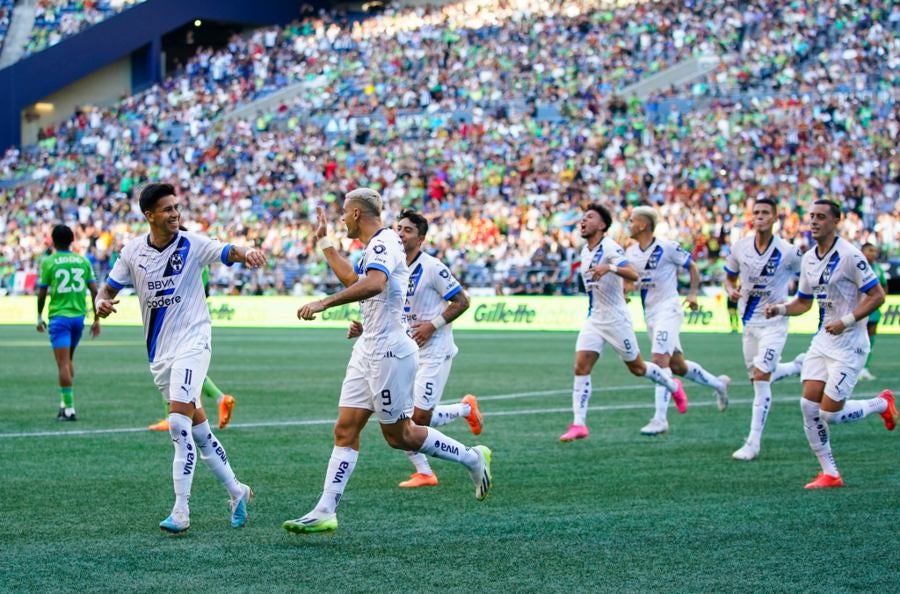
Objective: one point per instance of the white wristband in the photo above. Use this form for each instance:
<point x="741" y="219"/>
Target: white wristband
<point x="613" y="268"/>
<point x="848" y="320"/>
<point x="438" y="322"/>
<point x="324" y="243"/>
<point x="781" y="309"/>
<point x="40" y="319"/>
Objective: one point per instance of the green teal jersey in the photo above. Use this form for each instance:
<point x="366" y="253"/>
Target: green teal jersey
<point x="66" y="276"/>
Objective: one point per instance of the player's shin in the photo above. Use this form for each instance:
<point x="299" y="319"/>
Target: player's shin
<point x="783" y="370"/>
<point x="656" y="375"/>
<point x="185" y="460"/>
<point x="661" y="398"/>
<point x="340" y="467"/>
<point x="440" y="446"/>
<point x="816" y="429"/>
<point x="581" y="395"/>
<point x="213" y="454"/>
<point x="420" y="461"/>
<point x="698" y="375"/>
<point x="762" y="402"/>
<point x="449" y="412"/>
<point x="854" y="410"/>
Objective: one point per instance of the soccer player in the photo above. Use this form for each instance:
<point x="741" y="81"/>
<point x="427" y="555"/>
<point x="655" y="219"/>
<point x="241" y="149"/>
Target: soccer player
<point x="66" y="275"/>
<point x="838" y="276"/>
<point x="434" y="300"/>
<point x="164" y="266"/>
<point x="603" y="266"/>
<point x="382" y="370"/>
<point x="870" y="251"/>
<point x="764" y="264"/>
<point x="657" y="263"/>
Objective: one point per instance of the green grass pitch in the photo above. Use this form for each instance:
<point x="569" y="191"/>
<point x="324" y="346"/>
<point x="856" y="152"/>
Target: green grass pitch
<point x="617" y="512"/>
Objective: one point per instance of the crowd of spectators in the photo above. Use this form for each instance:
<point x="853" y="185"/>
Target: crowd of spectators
<point x="6" y="9"/>
<point x="498" y="118"/>
<point x="57" y="19"/>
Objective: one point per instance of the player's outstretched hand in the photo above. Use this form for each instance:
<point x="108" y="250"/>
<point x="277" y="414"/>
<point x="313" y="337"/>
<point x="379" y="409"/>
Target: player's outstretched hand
<point x="321" y="223"/>
<point x="255" y="258"/>
<point x="309" y="311"/>
<point x="422" y="332"/>
<point x="105" y="307"/>
<point x="355" y="330"/>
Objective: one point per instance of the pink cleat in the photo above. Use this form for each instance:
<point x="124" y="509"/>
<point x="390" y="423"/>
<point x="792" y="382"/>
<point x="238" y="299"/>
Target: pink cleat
<point x="680" y="398"/>
<point x="890" y="416"/>
<point x="575" y="432"/>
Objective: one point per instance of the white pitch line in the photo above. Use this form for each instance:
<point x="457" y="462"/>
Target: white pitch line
<point x="502" y="413"/>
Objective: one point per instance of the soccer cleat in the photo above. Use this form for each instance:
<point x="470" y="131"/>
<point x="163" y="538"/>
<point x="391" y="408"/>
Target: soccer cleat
<point x="314" y="521"/>
<point x="575" y="432"/>
<point x="475" y="419"/>
<point x="177" y="522"/>
<point x="162" y="425"/>
<point x="65" y="417"/>
<point x="749" y="451"/>
<point x="420" y="479"/>
<point x="239" y="514"/>
<point x="865" y="374"/>
<point x="825" y="481"/>
<point x="225" y="409"/>
<point x="722" y="395"/>
<point x="679" y="397"/>
<point x="481" y="474"/>
<point x="655" y="427"/>
<point x="61" y="413"/>
<point x="890" y="415"/>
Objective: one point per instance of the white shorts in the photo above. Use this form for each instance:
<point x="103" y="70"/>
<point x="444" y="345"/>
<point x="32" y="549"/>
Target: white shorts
<point x="431" y="379"/>
<point x="620" y="336"/>
<point x="839" y="371"/>
<point x="763" y="346"/>
<point x="181" y="379"/>
<point x="665" y="334"/>
<point x="383" y="386"/>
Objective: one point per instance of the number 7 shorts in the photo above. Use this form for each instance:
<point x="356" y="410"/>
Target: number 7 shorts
<point x="383" y="385"/>
<point x="839" y="370"/>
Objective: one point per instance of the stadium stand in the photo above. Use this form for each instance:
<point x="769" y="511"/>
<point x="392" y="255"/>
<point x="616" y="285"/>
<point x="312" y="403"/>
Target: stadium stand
<point x="57" y="19"/>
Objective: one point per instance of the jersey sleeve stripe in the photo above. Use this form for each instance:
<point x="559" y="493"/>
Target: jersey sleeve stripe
<point x="452" y="292"/>
<point x="622" y="263"/>
<point x="687" y="263"/>
<point x="865" y="288"/>
<point x="378" y="267"/>
<point x="114" y="283"/>
<point x="226" y="251"/>
<point x="730" y="272"/>
<point x="803" y="295"/>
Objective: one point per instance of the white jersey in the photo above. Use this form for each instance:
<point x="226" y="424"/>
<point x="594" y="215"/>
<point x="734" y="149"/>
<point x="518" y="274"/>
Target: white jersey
<point x="765" y="276"/>
<point x="431" y="286"/>
<point x="384" y="329"/>
<point x="169" y="286"/>
<point x="836" y="280"/>
<point x="657" y="267"/>
<point x="606" y="297"/>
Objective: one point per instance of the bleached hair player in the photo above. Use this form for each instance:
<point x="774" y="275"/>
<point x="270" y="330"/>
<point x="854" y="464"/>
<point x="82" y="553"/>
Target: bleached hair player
<point x="657" y="262"/>
<point x="165" y="267"/>
<point x="603" y="267"/>
<point x="838" y="276"/>
<point x="382" y="370"/>
<point x="759" y="270"/>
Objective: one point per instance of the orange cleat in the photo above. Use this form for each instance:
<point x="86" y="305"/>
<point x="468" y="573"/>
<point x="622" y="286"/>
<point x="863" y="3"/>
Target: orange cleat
<point x="825" y="481"/>
<point x="160" y="426"/>
<point x="890" y="415"/>
<point x="475" y="419"/>
<point x="417" y="479"/>
<point x="225" y="409"/>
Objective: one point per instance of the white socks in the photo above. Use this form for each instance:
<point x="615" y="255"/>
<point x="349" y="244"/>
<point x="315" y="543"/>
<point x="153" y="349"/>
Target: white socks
<point x="698" y="375"/>
<point x="185" y="459"/>
<point x="420" y="461"/>
<point x="655" y="374"/>
<point x="213" y="454"/>
<point x="444" y="414"/>
<point x="581" y="395"/>
<point x="340" y="467"/>
<point x="816" y="429"/>
<point x="662" y="398"/>
<point x="762" y="402"/>
<point x="446" y="448"/>
<point x="783" y="370"/>
<point x="855" y="410"/>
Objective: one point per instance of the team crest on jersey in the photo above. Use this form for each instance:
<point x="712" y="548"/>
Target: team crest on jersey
<point x="414" y="279"/>
<point x="655" y="257"/>
<point x="176" y="262"/>
<point x="772" y="265"/>
<point x="178" y="258"/>
<point x="598" y="256"/>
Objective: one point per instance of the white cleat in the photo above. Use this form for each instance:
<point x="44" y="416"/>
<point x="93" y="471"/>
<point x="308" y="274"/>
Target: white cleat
<point x="481" y="474"/>
<point x="655" y="427"/>
<point x="865" y="374"/>
<point x="177" y="522"/>
<point x="722" y="395"/>
<point x="748" y="452"/>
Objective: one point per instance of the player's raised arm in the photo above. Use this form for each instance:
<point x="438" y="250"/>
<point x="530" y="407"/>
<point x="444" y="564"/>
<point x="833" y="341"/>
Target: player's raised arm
<point x="368" y="286"/>
<point x="251" y="257"/>
<point x="95" y="326"/>
<point x="341" y="266"/>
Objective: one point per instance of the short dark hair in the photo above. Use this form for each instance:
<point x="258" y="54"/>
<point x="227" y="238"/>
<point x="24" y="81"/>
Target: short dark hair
<point x="416" y="219"/>
<point x="153" y="193"/>
<point x="868" y="244"/>
<point x="768" y="201"/>
<point x="62" y="237"/>
<point x="602" y="211"/>
<point x="833" y="206"/>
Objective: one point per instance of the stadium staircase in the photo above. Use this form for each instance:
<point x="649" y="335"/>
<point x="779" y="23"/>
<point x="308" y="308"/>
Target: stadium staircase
<point x="19" y="29"/>
<point x="677" y="75"/>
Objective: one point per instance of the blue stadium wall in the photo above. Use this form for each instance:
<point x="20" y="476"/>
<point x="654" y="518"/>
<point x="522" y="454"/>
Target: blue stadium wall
<point x="136" y="32"/>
